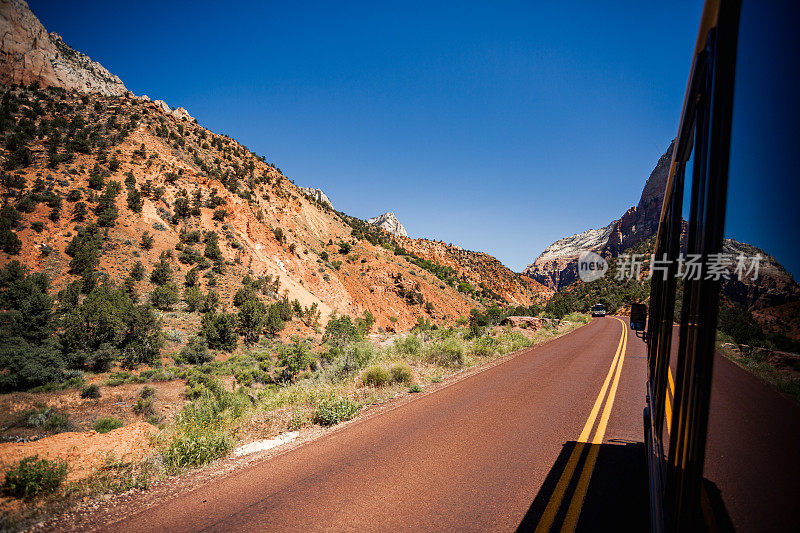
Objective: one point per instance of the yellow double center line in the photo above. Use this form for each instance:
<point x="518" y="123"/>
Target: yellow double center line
<point x="557" y="498"/>
<point x="670" y="395"/>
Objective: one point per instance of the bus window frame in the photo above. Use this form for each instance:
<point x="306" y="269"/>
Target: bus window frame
<point x="676" y="481"/>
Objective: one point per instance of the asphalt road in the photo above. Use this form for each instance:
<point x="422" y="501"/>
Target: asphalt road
<point x="551" y="437"/>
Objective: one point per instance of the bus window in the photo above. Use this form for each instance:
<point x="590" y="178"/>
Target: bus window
<point x="751" y="472"/>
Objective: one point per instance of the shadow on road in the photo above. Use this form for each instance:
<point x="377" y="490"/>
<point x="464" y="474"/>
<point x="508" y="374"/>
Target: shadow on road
<point x="616" y="498"/>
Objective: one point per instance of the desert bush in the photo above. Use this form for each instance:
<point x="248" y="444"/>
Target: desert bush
<point x="9" y="217"/>
<point x="401" y="373"/>
<point x="10" y="242"/>
<point x="376" y="375"/>
<point x="415" y="388"/>
<point x="34" y="476"/>
<point x="272" y="321"/>
<point x="251" y="320"/>
<point x="409" y="344"/>
<point x="107" y="423"/>
<point x="191" y="278"/>
<point x="164" y="297"/>
<point x="162" y="272"/>
<point x="101" y="359"/>
<point x="212" y="250"/>
<point x="484" y="346"/>
<point x="147" y="240"/>
<point x="447" y="352"/>
<point x="577" y="318"/>
<point x="203" y="429"/>
<point x="219" y="329"/>
<point x="108" y="315"/>
<point x="90" y="391"/>
<point x="195" y="352"/>
<point x="340" y="331"/>
<point x="144" y="406"/>
<point x="511" y="342"/>
<point x="46" y="418"/>
<point x="294" y="358"/>
<point x="211" y="300"/>
<point x="138" y="271"/>
<point x="334" y="409"/>
<point x="135" y="200"/>
<point x="194" y="298"/>
<point x="80" y="211"/>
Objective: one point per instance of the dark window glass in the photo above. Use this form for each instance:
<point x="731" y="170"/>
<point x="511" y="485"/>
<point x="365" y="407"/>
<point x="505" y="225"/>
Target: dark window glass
<point x="751" y="470"/>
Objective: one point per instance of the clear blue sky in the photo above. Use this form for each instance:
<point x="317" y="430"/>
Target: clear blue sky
<point x="500" y="128"/>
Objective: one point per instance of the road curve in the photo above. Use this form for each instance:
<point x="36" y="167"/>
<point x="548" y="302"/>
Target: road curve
<point x="490" y="452"/>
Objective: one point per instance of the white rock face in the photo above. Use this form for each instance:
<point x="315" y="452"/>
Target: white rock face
<point x="571" y="247"/>
<point x="179" y="112"/>
<point x="161" y="104"/>
<point x="317" y="195"/>
<point x="556" y="266"/>
<point x="28" y="53"/>
<point x="389" y="222"/>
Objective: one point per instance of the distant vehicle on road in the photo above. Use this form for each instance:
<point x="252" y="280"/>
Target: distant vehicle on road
<point x="599" y="310"/>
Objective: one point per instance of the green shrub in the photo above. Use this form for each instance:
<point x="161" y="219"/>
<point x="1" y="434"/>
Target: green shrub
<point x="401" y="373"/>
<point x="196" y="448"/>
<point x="47" y="418"/>
<point x="203" y="429"/>
<point x="34" y="476"/>
<point x="91" y="391"/>
<point x="294" y="358"/>
<point x="120" y="378"/>
<point x="511" y="342"/>
<point x="577" y="318"/>
<point x="135" y="200"/>
<point x="335" y="409"/>
<point x="193" y="297"/>
<point x="108" y="315"/>
<point x="447" y="352"/>
<point x="415" y="388"/>
<point x="199" y="384"/>
<point x="340" y="331"/>
<point x="164" y="297"/>
<point x="147" y="240"/>
<point x="144" y="406"/>
<point x="251" y="320"/>
<point x="100" y="360"/>
<point x="195" y="352"/>
<point x="10" y="243"/>
<point x="410" y="344"/>
<point x="212" y="250"/>
<point x="484" y="346"/>
<point x="377" y="376"/>
<point x="219" y="330"/>
<point x="107" y="423"/>
<point x="162" y="272"/>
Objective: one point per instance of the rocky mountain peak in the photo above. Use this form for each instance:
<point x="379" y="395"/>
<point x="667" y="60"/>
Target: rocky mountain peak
<point x="317" y="195"/>
<point x="556" y="267"/>
<point x="29" y="54"/>
<point x="389" y="222"/>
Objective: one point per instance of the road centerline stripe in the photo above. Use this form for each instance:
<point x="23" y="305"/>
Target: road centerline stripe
<point x="573" y="512"/>
<point x="555" y="502"/>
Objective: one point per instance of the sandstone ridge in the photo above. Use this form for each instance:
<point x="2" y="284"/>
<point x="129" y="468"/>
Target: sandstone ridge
<point x="29" y="54"/>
